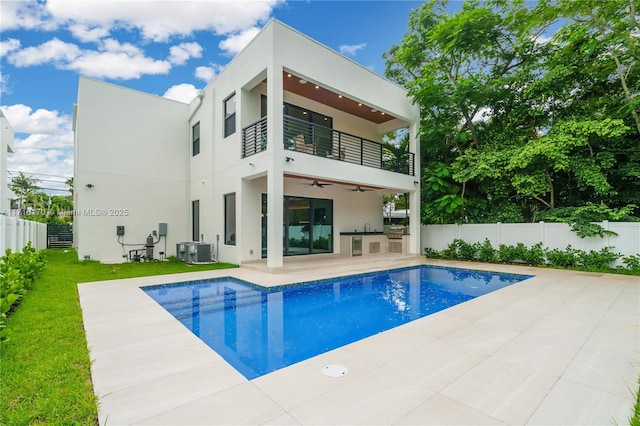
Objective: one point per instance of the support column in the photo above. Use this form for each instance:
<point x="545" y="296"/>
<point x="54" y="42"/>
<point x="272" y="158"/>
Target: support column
<point x="414" y="198"/>
<point x="275" y="178"/>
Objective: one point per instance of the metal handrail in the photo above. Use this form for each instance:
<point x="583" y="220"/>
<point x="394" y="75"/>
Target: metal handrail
<point x="254" y="138"/>
<point x="322" y="141"/>
<point x="315" y="139"/>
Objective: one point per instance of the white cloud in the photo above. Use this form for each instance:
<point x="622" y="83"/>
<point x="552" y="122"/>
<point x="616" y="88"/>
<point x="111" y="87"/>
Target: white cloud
<point x="113" y="45"/>
<point x="48" y="146"/>
<point x="24" y="14"/>
<point x="160" y="20"/>
<point x="8" y="46"/>
<point x="207" y="74"/>
<point x="351" y="49"/>
<point x="117" y="65"/>
<point x="55" y="51"/>
<point x="181" y="93"/>
<point x="86" y="33"/>
<point x="4" y="85"/>
<point x="24" y="120"/>
<point x="181" y="53"/>
<point x="114" y="59"/>
<point x="236" y="42"/>
<point x="42" y="161"/>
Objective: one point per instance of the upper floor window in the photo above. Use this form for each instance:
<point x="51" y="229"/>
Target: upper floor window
<point x="195" y="139"/>
<point x="230" y="115"/>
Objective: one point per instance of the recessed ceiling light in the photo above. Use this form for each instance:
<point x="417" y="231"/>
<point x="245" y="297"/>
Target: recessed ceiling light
<point x="303" y="81"/>
<point x="317" y="87"/>
<point x="382" y="113"/>
<point x="340" y="96"/>
<point x="359" y="104"/>
<point x="288" y="75"/>
<point x="374" y="110"/>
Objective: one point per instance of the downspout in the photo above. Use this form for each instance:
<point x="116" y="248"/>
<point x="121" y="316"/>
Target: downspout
<point x="200" y="96"/>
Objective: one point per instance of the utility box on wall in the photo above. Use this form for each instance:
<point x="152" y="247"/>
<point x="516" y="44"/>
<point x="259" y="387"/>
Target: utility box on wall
<point x="162" y="229"/>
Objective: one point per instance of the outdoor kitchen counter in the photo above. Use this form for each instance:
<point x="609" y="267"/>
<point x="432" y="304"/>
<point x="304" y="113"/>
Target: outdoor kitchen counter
<point x="371" y="243"/>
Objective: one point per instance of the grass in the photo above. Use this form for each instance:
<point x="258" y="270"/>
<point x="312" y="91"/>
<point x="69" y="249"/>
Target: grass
<point x="45" y="373"/>
<point x="635" y="417"/>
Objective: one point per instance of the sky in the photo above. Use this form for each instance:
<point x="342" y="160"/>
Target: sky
<point x="167" y="48"/>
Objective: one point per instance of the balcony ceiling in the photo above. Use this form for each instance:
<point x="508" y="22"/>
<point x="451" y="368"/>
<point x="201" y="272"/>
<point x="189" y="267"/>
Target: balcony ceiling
<point x="324" y="96"/>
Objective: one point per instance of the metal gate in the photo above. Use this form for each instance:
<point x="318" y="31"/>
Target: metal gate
<point x="59" y="235"/>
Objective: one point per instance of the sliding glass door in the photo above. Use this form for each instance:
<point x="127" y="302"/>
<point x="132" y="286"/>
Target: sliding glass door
<point x="307" y="226"/>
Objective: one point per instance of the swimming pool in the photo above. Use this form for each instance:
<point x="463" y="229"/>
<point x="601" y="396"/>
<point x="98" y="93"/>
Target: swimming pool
<point x="259" y="330"/>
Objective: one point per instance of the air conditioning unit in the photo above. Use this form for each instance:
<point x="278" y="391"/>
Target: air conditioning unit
<point x="203" y="253"/>
<point x="182" y="250"/>
<point x="198" y="252"/>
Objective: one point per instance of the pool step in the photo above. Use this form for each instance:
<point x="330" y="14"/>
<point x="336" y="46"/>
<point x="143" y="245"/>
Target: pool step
<point x="183" y="307"/>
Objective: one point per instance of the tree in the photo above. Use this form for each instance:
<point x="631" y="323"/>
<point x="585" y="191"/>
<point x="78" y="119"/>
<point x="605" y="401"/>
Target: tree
<point x="69" y="183"/>
<point x="25" y="188"/>
<point x="516" y="121"/>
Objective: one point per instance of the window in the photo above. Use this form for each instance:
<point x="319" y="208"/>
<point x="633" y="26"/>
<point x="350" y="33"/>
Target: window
<point x="230" y="219"/>
<point x="195" y="139"/>
<point x="195" y="220"/>
<point x="230" y="115"/>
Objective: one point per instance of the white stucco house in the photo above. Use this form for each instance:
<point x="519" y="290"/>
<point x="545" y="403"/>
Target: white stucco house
<point x="278" y="156"/>
<point x="6" y="147"/>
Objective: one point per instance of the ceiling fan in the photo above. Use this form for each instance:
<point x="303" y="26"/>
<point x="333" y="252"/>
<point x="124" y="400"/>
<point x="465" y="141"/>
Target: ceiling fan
<point x="360" y="189"/>
<point x="317" y="184"/>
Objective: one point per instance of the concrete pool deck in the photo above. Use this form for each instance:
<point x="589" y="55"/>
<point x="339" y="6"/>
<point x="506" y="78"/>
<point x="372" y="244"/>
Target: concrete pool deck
<point x="560" y="348"/>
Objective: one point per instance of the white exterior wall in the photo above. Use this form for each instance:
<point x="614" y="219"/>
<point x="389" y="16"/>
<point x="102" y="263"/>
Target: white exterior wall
<point x="6" y="146"/>
<point x="131" y="147"/>
<point x="219" y="169"/>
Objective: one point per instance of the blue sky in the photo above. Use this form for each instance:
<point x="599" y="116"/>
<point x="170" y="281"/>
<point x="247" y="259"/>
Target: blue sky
<point x="169" y="48"/>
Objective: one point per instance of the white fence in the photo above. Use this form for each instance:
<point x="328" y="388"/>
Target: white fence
<point x="551" y="235"/>
<point x="16" y="233"/>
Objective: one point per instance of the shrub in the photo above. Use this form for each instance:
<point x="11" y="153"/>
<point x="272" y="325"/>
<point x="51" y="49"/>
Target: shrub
<point x="513" y="254"/>
<point x="598" y="260"/>
<point x="534" y="255"/>
<point x="562" y="258"/>
<point x="486" y="252"/>
<point x="537" y="255"/>
<point x="432" y="253"/>
<point x="467" y="251"/>
<point x="632" y="262"/>
<point x="17" y="272"/>
<point x="451" y="252"/>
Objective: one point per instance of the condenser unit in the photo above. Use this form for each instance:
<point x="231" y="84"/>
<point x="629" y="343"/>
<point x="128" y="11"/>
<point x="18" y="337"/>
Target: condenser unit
<point x="198" y="253"/>
<point x="182" y="250"/>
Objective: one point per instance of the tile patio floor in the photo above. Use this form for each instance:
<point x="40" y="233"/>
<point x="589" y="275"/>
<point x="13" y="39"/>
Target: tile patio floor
<point x="559" y="348"/>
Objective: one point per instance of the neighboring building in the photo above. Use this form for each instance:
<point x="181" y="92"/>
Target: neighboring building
<point x="275" y="157"/>
<point x="6" y="147"/>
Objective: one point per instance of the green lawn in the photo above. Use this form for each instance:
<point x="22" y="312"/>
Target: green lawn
<point x="45" y="366"/>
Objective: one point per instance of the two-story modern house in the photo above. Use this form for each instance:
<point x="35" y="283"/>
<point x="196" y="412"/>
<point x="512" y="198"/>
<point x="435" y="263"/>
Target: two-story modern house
<point x="278" y="156"/>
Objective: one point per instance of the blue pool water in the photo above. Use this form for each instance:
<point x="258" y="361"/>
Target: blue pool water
<point x="259" y="330"/>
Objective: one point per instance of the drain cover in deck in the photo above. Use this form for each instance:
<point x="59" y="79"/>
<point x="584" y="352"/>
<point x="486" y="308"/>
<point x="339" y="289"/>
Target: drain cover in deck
<point x="335" y="370"/>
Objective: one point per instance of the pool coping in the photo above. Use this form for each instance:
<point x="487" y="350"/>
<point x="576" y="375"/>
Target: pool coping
<point x="479" y="362"/>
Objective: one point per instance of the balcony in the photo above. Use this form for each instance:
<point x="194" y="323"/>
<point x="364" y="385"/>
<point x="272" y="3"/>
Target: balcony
<point x="314" y="139"/>
<point x="254" y="138"/>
